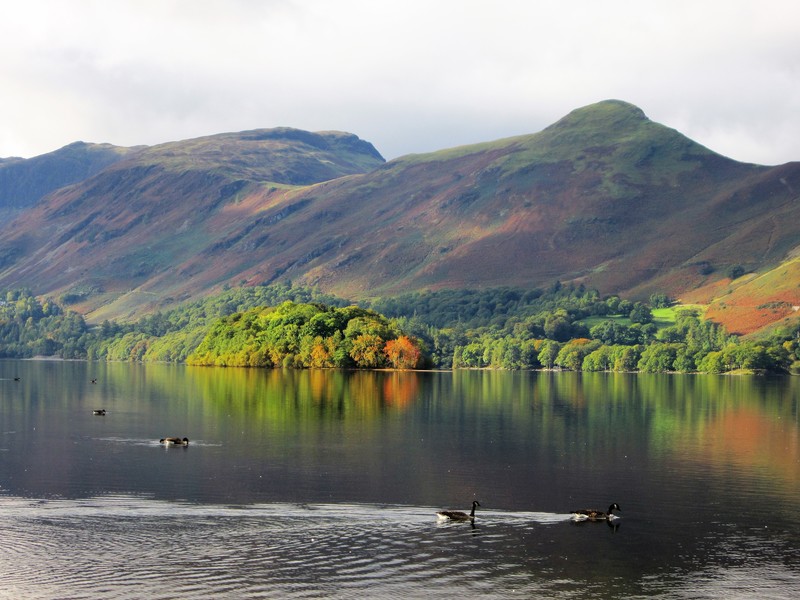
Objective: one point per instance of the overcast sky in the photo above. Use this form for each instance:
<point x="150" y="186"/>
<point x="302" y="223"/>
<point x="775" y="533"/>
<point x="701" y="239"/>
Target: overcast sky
<point x="407" y="75"/>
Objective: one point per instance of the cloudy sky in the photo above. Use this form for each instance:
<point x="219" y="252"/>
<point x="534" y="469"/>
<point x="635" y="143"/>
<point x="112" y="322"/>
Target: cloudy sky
<point x="408" y="76"/>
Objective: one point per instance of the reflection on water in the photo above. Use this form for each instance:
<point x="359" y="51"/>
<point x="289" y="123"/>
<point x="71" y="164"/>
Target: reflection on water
<point x="326" y="483"/>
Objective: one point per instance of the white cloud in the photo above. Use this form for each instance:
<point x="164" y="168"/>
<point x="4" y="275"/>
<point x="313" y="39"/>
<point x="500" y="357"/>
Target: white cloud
<point x="408" y="76"/>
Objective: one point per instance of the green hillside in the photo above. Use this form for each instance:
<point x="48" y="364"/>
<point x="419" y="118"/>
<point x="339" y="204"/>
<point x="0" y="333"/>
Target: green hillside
<point x="603" y="198"/>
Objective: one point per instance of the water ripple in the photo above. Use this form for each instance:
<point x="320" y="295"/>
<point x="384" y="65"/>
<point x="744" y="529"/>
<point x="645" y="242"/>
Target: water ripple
<point x="120" y="546"/>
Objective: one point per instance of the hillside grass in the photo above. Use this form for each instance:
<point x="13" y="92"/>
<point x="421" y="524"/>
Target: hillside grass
<point x="758" y="300"/>
<point x="596" y="320"/>
<point x="662" y="317"/>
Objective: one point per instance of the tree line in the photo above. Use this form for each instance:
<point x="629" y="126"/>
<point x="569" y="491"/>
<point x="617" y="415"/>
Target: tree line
<point x="561" y="327"/>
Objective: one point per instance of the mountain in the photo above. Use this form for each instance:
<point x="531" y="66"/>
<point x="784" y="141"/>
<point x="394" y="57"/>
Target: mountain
<point x="23" y="182"/>
<point x="604" y="197"/>
<point x="150" y="222"/>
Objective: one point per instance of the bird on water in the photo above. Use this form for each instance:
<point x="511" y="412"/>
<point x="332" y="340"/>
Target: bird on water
<point x="590" y="514"/>
<point x="174" y="441"/>
<point x="457" y="515"/>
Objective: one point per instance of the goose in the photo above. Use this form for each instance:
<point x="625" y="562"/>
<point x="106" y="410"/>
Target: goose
<point x="94" y="380"/>
<point x="174" y="441"/>
<point x="596" y="515"/>
<point x="457" y="515"/>
<point x="99" y="411"/>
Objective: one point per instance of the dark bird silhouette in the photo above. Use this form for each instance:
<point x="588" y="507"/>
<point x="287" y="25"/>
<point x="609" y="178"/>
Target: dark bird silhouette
<point x="99" y="411"/>
<point x="174" y="441"/>
<point x="457" y="515"/>
<point x="590" y="514"/>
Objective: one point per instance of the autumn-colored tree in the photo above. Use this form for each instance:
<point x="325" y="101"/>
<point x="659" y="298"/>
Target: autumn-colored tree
<point x="402" y="353"/>
<point x="366" y="351"/>
<point x="320" y="357"/>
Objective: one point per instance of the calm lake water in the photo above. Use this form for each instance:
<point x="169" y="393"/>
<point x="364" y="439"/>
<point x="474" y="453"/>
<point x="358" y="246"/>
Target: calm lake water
<point x="325" y="484"/>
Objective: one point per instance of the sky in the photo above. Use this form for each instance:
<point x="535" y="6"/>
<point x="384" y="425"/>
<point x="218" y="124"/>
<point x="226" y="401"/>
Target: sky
<point x="409" y="76"/>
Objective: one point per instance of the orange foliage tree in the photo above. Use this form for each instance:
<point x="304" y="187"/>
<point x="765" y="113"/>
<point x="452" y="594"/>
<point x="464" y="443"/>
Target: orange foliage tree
<point x="402" y="353"/>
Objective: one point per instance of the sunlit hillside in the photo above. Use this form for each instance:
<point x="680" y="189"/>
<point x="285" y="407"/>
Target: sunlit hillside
<point x="604" y="197"/>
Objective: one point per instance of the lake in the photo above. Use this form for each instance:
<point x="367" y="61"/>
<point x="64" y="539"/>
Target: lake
<point x="325" y="484"/>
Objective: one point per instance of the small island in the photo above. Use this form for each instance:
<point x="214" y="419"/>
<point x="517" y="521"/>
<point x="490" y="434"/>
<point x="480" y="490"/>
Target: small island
<point x="308" y="336"/>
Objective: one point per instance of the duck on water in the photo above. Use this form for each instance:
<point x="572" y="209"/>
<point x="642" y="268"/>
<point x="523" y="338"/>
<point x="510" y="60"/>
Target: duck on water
<point x="457" y="515"/>
<point x="591" y="514"/>
<point x="174" y="441"/>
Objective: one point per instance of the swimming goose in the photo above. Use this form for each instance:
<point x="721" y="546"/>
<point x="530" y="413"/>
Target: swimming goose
<point x="99" y="411"/>
<point x="457" y="515"/>
<point x="174" y="441"/>
<point x="590" y="514"/>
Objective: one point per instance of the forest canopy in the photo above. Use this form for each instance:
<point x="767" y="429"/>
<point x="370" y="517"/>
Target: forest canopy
<point x="283" y="325"/>
<point x="307" y="336"/>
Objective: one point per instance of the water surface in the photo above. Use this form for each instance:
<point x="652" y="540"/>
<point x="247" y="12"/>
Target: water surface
<point x="326" y="483"/>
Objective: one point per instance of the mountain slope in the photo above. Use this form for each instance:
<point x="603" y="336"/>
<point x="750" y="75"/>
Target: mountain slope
<point x="24" y="181"/>
<point x="140" y="217"/>
<point x="604" y="196"/>
<point x="755" y="301"/>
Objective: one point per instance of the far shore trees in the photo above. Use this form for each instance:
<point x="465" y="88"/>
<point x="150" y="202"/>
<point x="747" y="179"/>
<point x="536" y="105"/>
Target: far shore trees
<point x="282" y="325"/>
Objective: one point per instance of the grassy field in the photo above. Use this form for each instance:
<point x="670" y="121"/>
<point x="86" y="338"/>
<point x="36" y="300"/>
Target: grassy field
<point x="592" y="321"/>
<point x="662" y="317"/>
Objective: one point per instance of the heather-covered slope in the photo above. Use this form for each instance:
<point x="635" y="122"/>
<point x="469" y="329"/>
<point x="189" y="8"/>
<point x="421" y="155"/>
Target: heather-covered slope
<point x="140" y="220"/>
<point x="755" y="301"/>
<point x="604" y="196"/>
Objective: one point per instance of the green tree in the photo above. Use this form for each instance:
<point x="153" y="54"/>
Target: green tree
<point x="713" y="362"/>
<point x="684" y="361"/>
<point x="558" y="327"/>
<point x="548" y="353"/>
<point x="658" y="358"/>
<point x="571" y="354"/>
<point x="601" y="359"/>
<point x="640" y="313"/>
<point x="660" y="301"/>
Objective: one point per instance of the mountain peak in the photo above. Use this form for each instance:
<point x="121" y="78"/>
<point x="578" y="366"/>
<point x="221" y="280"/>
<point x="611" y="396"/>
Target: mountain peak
<point x="615" y="106"/>
<point x="605" y="115"/>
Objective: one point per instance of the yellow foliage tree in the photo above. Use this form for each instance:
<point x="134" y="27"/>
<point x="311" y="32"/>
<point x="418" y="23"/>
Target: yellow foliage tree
<point x="366" y="350"/>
